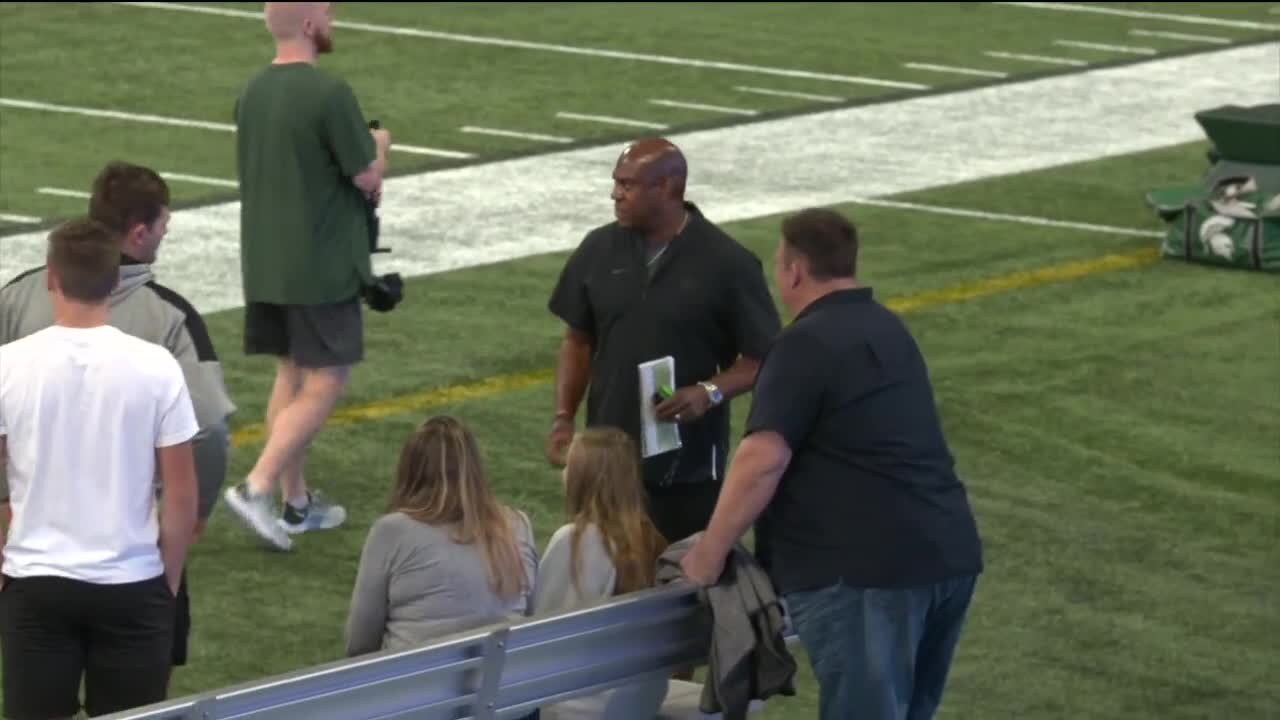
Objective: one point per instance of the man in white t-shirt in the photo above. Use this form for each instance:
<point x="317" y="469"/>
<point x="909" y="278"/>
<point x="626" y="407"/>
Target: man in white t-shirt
<point x="88" y="416"/>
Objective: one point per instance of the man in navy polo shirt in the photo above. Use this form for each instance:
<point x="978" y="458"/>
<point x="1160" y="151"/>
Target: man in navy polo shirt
<point x="863" y="524"/>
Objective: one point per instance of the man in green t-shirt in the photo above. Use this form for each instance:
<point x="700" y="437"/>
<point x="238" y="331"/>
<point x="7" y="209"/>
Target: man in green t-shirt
<point x="307" y="165"/>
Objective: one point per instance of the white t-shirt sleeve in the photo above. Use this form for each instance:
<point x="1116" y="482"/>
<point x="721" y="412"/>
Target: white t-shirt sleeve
<point x="176" y="420"/>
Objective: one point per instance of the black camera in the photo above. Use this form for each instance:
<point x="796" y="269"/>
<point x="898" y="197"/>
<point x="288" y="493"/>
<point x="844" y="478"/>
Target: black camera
<point x="385" y="293"/>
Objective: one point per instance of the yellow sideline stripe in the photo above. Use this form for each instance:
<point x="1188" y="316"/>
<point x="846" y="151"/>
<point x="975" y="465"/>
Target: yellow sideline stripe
<point x="499" y="384"/>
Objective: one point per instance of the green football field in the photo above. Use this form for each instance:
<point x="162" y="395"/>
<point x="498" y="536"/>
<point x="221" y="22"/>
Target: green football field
<point x="1114" y="415"/>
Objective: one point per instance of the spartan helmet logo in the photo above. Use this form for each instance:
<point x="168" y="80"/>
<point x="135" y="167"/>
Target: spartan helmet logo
<point x="1214" y="237"/>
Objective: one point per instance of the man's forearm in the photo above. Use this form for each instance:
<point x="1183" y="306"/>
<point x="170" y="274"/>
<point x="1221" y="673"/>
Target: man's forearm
<point x="737" y="378"/>
<point x="573" y="369"/>
<point x="751" y="482"/>
<point x="178" y="516"/>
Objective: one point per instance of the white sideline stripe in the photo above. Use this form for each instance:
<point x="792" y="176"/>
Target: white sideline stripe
<point x="115" y="114"/>
<point x="1003" y="217"/>
<point x="955" y="70"/>
<point x="702" y="106"/>
<point x="1211" y="39"/>
<point x="178" y="122"/>
<point x="20" y="219"/>
<point x="472" y="129"/>
<point x="1036" y="58"/>
<point x="462" y="217"/>
<point x="184" y="122"/>
<point x="200" y="179"/>
<point x="552" y="47"/>
<point x="63" y="192"/>
<point x="789" y="94"/>
<point x="1127" y="49"/>
<point x="1120" y="12"/>
<point x="611" y="120"/>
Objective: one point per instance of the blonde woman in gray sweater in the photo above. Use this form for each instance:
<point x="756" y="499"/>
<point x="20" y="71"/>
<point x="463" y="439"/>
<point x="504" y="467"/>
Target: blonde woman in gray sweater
<point x="609" y="547"/>
<point x="447" y="555"/>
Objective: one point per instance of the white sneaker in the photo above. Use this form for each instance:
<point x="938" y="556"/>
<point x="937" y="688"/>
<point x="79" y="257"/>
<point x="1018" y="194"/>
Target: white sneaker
<point x="255" y="512"/>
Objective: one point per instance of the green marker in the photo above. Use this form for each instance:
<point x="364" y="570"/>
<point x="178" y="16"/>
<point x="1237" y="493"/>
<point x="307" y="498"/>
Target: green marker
<point x="664" y="392"/>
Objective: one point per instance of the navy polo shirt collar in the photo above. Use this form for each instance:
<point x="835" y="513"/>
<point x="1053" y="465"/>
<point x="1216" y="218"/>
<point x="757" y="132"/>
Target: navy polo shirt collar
<point x="837" y="297"/>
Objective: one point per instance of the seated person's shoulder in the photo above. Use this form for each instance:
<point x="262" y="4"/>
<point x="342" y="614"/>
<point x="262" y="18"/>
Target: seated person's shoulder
<point x="521" y="524"/>
<point x="561" y="536"/>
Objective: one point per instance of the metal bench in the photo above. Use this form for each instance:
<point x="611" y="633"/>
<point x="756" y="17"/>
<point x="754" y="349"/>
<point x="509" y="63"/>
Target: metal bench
<point x="492" y="672"/>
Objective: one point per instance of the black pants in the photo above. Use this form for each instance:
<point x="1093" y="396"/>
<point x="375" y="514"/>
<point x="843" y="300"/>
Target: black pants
<point x="683" y="509"/>
<point x="55" y="631"/>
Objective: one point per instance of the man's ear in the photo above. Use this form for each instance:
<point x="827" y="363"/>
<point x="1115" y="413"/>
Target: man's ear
<point x="131" y="235"/>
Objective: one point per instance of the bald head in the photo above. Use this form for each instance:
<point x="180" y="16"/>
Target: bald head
<point x="294" y="22"/>
<point x="648" y="185"/>
<point x="656" y="159"/>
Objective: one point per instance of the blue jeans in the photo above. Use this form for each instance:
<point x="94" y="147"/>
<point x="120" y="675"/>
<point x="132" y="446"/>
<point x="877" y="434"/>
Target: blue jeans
<point x="881" y="654"/>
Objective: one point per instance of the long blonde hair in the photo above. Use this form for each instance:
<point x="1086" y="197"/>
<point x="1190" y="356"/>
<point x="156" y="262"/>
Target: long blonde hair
<point x="442" y="481"/>
<point x="603" y="488"/>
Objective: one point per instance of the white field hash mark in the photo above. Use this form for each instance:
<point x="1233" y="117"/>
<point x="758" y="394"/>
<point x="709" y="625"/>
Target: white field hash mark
<point x="612" y="120"/>
<point x="1126" y="49"/>
<point x="703" y="106"/>
<point x="789" y="94"/>
<point x="63" y="192"/>
<point x="19" y="219"/>
<point x="955" y="70"/>
<point x="1210" y="39"/>
<point x="199" y="179"/>
<point x="499" y="132"/>
<point x="1071" y="62"/>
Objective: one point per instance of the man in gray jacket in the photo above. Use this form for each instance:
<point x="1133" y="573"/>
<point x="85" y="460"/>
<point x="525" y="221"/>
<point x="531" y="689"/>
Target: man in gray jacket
<point x="134" y="201"/>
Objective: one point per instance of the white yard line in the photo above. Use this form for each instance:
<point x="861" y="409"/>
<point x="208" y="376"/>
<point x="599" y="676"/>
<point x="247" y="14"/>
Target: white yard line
<point x="703" y="106"/>
<point x="499" y="132"/>
<point x="552" y="47"/>
<point x="789" y="94"/>
<point x="63" y="192"/>
<point x="114" y="114"/>
<point x="1120" y="12"/>
<point x="952" y="69"/>
<point x="19" y="219"/>
<point x="200" y="179"/>
<point x="611" y="120"/>
<point x="1004" y="217"/>
<point x="1126" y="49"/>
<point x="38" y="106"/>
<point x="1210" y="39"/>
<point x="1070" y="62"/>
<point x="464" y="216"/>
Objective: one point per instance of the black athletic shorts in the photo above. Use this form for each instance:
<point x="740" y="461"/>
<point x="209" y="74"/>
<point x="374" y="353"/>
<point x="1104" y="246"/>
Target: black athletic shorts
<point x="682" y="509"/>
<point x="312" y="336"/>
<point x="54" y="631"/>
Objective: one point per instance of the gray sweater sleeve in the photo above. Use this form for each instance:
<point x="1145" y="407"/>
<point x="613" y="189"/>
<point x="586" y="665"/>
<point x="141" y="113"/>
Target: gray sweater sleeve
<point x="367" y="617"/>
<point x="555" y="589"/>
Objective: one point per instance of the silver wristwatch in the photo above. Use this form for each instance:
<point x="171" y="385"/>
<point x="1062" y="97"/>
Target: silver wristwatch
<point x="713" y="392"/>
